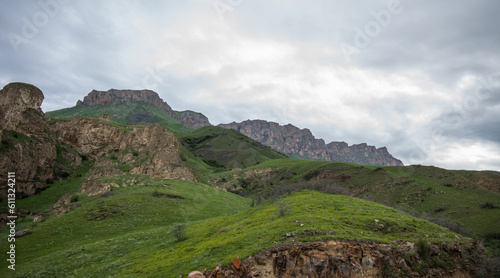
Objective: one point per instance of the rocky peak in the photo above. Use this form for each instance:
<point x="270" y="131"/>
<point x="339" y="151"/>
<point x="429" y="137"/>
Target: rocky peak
<point x="26" y="147"/>
<point x="20" y="108"/>
<point x="290" y="139"/>
<point x="113" y="96"/>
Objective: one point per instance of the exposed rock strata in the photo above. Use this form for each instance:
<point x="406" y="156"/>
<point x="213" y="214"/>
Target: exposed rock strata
<point x="292" y="140"/>
<point x="344" y="259"/>
<point x="26" y="147"/>
<point x="145" y="150"/>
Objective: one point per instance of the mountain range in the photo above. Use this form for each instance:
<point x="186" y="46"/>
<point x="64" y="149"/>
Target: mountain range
<point x="288" y="139"/>
<point x="114" y="188"/>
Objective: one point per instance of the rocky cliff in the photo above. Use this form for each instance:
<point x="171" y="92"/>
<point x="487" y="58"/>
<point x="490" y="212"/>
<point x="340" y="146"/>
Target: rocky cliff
<point x="26" y="146"/>
<point x="292" y="140"/>
<point x="144" y="150"/>
<point x="342" y="258"/>
<point x="31" y="147"/>
<point x="113" y="96"/>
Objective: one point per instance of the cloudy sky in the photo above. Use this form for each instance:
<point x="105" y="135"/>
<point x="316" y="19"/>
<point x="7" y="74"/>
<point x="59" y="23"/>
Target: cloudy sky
<point x="420" y="77"/>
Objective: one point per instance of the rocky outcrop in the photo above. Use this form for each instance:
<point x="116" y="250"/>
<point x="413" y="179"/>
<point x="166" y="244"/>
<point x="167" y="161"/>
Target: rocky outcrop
<point x="191" y="118"/>
<point x="292" y="140"/>
<point x="144" y="150"/>
<point x="26" y="146"/>
<point x="113" y="96"/>
<point x="338" y="258"/>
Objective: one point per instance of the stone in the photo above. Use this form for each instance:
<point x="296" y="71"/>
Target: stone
<point x="113" y="96"/>
<point x="236" y="263"/>
<point x="27" y="148"/>
<point x="22" y="233"/>
<point x="196" y="274"/>
<point x="157" y="148"/>
<point x="289" y="139"/>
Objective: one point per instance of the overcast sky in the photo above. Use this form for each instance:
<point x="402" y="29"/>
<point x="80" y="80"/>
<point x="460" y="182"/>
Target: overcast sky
<point x="420" y="77"/>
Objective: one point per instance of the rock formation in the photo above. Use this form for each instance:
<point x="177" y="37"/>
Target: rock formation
<point x="342" y="258"/>
<point x="145" y="150"/>
<point x="113" y="96"/>
<point x="26" y="147"/>
<point x="289" y="139"/>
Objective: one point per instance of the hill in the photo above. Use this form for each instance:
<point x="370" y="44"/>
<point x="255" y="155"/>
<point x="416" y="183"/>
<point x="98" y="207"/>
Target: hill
<point x="124" y="113"/>
<point x="224" y="148"/>
<point x="128" y="232"/>
<point x="107" y="102"/>
<point x="140" y="200"/>
<point x="300" y="143"/>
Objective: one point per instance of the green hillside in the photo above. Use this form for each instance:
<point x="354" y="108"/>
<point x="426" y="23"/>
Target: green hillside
<point x="128" y="232"/>
<point x="227" y="148"/>
<point x="456" y="199"/>
<point x="136" y="112"/>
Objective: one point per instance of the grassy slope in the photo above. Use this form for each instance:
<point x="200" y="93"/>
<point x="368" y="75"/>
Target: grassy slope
<point x="121" y="113"/>
<point x="227" y="148"/>
<point x="136" y="240"/>
<point x="132" y="222"/>
<point x="424" y="189"/>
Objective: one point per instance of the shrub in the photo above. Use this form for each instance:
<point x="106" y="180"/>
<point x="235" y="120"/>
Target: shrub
<point x="179" y="232"/>
<point x="488" y="205"/>
<point x="75" y="198"/>
<point x="423" y="248"/>
<point x="156" y="193"/>
<point x="321" y="186"/>
<point x="135" y="153"/>
<point x="283" y="209"/>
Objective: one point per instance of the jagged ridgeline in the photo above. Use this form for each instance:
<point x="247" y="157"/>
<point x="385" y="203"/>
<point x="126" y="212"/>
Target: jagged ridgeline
<point x="96" y="197"/>
<point x="145" y="106"/>
<point x="133" y="107"/>
<point x="300" y="143"/>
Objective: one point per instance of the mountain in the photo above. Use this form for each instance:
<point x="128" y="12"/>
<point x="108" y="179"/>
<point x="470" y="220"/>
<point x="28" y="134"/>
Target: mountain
<point x="113" y="96"/>
<point x="138" y="200"/>
<point x="291" y="140"/>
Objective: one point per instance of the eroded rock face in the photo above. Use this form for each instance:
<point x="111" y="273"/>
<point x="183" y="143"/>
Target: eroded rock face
<point x="113" y="96"/>
<point x="336" y="258"/>
<point x="26" y="147"/>
<point x="292" y="140"/>
<point x="20" y="109"/>
<point x="145" y="150"/>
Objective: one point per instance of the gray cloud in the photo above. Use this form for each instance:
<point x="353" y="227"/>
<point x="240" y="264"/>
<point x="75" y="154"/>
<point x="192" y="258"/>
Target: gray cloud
<point x="409" y="89"/>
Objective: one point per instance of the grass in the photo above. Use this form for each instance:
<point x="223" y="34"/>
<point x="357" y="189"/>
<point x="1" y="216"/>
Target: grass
<point x="425" y="191"/>
<point x="123" y="113"/>
<point x="45" y="200"/>
<point x="226" y="148"/>
<point x="130" y="219"/>
<point x="132" y="233"/>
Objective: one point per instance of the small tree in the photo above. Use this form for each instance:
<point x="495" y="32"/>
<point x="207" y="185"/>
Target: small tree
<point x="179" y="231"/>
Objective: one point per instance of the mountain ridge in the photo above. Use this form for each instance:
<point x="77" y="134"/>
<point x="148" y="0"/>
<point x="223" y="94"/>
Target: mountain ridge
<point x="114" y="96"/>
<point x="290" y="139"/>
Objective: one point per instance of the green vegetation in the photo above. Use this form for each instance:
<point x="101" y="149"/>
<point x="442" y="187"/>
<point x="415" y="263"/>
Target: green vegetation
<point x="133" y="233"/>
<point x="227" y="148"/>
<point x="120" y="226"/>
<point x="156" y="227"/>
<point x="123" y="113"/>
<point x="10" y="138"/>
<point x="444" y="196"/>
